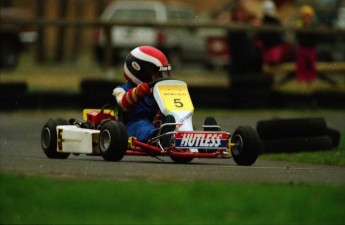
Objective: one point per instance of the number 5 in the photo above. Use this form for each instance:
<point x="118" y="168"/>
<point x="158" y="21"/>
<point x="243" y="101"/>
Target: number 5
<point x="178" y="102"/>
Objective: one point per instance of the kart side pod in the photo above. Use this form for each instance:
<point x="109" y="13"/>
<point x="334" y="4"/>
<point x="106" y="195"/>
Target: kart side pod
<point x="72" y="139"/>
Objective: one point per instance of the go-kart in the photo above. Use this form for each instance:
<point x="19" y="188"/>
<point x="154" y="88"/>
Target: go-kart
<point x="101" y="133"/>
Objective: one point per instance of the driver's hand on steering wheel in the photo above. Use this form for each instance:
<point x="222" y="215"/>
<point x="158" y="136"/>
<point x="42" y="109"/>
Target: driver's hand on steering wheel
<point x="143" y="90"/>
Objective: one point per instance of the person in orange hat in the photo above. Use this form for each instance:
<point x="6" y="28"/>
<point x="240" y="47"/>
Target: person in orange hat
<point x="306" y="56"/>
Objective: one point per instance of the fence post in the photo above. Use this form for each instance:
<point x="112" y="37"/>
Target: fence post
<point x="60" y="45"/>
<point x="108" y="48"/>
<point x="40" y="51"/>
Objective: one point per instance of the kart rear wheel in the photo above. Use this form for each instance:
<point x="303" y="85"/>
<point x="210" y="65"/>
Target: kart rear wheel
<point x="49" y="139"/>
<point x="245" y="147"/>
<point x="113" y="139"/>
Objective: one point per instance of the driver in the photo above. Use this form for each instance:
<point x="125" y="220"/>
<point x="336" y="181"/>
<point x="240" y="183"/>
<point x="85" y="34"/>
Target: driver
<point x="139" y="109"/>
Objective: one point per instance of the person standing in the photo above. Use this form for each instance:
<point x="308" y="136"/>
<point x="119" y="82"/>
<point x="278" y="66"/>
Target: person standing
<point x="245" y="56"/>
<point x="306" y="56"/>
<point x="271" y="41"/>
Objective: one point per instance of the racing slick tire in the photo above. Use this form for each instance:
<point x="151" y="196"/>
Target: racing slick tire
<point x="49" y="139"/>
<point x="113" y="139"/>
<point x="246" y="146"/>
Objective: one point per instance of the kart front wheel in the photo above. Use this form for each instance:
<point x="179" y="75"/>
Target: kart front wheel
<point x="49" y="139"/>
<point x="113" y="139"/>
<point x="245" y="146"/>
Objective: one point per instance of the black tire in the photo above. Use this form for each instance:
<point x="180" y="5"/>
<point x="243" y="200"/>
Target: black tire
<point x="334" y="135"/>
<point x="290" y="128"/>
<point x="113" y="140"/>
<point x="246" y="147"/>
<point x="49" y="139"/>
<point x="300" y="144"/>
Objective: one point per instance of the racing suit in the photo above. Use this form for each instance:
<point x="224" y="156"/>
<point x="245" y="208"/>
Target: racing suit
<point x="138" y="119"/>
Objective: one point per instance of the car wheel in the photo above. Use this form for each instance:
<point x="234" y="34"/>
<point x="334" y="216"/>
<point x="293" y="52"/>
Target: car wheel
<point x="113" y="139"/>
<point x="49" y="139"/>
<point x="245" y="147"/>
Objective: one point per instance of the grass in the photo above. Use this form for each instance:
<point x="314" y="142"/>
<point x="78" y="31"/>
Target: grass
<point x="37" y="200"/>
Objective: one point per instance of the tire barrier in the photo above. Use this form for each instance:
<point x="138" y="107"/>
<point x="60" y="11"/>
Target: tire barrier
<point x="247" y="92"/>
<point x="250" y="91"/>
<point x="96" y="92"/>
<point x="304" y="144"/>
<point x="296" y="134"/>
<point x="13" y="95"/>
<point x="330" y="99"/>
<point x="292" y="127"/>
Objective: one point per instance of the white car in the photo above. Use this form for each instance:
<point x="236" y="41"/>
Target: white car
<point x="178" y="43"/>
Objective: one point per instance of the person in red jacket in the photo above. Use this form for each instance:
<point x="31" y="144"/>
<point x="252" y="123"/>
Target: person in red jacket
<point x="306" y="56"/>
<point x="140" y="110"/>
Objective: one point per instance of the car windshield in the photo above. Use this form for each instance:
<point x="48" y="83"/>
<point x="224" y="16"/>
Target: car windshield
<point x="134" y="15"/>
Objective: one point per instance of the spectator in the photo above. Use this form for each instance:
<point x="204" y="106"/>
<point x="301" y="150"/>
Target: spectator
<point x="271" y="41"/>
<point x="306" y="56"/>
<point x="245" y="57"/>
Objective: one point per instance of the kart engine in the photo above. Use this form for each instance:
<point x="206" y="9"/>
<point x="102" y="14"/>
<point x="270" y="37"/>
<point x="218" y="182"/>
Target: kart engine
<point x="95" y="118"/>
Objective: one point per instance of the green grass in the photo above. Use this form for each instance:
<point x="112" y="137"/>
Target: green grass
<point x="334" y="157"/>
<point x="34" y="200"/>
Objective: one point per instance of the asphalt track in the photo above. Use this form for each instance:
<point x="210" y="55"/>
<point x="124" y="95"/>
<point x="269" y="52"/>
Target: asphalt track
<point x="20" y="152"/>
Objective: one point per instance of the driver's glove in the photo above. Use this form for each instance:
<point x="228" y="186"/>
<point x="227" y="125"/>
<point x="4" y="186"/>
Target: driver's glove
<point x="142" y="90"/>
<point x="131" y="98"/>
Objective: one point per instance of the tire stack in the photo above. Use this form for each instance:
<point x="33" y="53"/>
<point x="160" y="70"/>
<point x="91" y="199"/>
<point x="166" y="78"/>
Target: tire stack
<point x="296" y="134"/>
<point x="97" y="92"/>
<point x="251" y="91"/>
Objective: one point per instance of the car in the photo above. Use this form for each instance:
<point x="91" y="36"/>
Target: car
<point x="180" y="44"/>
<point x="102" y="133"/>
<point x="13" y="37"/>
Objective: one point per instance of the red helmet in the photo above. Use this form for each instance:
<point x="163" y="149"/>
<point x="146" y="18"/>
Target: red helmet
<point x="144" y="64"/>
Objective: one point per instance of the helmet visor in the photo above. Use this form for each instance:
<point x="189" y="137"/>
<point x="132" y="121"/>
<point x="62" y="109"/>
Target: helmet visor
<point x="164" y="71"/>
<point x="160" y="72"/>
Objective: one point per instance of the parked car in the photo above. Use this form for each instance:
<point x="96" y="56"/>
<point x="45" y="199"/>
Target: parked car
<point x="180" y="44"/>
<point x="13" y="37"/>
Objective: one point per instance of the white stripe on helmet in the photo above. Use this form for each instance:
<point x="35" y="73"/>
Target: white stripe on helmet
<point x="133" y="78"/>
<point x="143" y="56"/>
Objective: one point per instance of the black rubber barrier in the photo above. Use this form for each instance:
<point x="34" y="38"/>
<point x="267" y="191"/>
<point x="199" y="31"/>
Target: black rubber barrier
<point x="291" y="128"/>
<point x="297" y="144"/>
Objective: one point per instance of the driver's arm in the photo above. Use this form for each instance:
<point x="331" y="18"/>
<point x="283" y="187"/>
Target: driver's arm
<point x="128" y="100"/>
